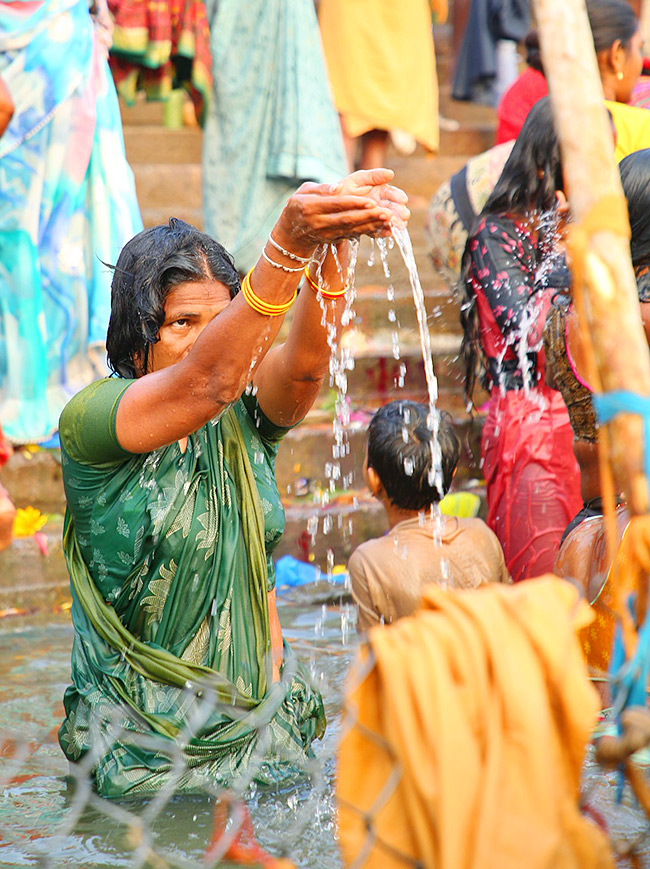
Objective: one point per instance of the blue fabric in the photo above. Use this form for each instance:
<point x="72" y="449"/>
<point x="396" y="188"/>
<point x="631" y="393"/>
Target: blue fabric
<point x="67" y="206"/>
<point x="289" y="573"/>
<point x="271" y="123"/>
<point x="611" y="404"/>
<point x="629" y="678"/>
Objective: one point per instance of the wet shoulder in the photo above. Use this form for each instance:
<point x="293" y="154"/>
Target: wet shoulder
<point x="370" y="550"/>
<point x="476" y="533"/>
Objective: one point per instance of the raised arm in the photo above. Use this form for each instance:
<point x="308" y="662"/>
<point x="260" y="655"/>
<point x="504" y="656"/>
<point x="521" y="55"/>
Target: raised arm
<point x="221" y="342"/>
<point x="290" y="377"/>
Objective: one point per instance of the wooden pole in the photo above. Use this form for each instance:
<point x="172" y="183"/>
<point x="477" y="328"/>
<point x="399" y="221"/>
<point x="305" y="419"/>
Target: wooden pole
<point x="644" y="24"/>
<point x="591" y="173"/>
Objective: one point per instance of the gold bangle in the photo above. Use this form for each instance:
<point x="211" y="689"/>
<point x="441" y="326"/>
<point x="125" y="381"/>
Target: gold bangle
<point x="326" y="294"/>
<point x="266" y="308"/>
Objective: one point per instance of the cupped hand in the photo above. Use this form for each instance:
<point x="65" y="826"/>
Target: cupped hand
<point x="373" y="183"/>
<point x="363" y="203"/>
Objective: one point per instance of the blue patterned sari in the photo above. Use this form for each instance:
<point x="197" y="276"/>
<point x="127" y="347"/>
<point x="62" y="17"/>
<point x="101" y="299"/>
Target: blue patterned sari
<point x="67" y="206"/>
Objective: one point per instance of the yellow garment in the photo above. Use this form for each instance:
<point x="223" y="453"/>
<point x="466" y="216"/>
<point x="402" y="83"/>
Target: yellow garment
<point x="632" y="125"/>
<point x="464" y="742"/>
<point x="381" y="65"/>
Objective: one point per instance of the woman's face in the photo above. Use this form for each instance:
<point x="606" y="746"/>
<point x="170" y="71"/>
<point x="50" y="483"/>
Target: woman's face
<point x="630" y="68"/>
<point x="189" y="308"/>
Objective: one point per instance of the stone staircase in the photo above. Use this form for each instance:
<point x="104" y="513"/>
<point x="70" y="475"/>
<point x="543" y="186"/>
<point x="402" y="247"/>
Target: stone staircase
<point x="322" y="526"/>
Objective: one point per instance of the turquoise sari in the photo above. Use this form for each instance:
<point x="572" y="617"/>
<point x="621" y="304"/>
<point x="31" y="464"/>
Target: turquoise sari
<point x="271" y="123"/>
<point x="67" y="206"/>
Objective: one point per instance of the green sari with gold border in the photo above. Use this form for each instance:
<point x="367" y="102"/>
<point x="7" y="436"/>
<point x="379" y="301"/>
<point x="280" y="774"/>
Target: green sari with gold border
<point x="169" y="555"/>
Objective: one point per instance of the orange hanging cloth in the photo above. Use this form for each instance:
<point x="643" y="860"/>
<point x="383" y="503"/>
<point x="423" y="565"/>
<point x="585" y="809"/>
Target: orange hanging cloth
<point x="465" y="732"/>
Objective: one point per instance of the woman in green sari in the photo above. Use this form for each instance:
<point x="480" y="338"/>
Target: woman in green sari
<point x="180" y="676"/>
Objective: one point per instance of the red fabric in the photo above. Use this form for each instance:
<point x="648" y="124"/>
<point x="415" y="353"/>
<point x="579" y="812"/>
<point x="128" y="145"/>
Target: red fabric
<point x="533" y="480"/>
<point x="641" y="93"/>
<point x="5" y="449"/>
<point x="517" y="101"/>
<point x="503" y="269"/>
<point x="180" y="24"/>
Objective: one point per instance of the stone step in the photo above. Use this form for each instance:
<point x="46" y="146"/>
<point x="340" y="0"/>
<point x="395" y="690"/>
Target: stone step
<point x="142" y="113"/>
<point x="34" y="479"/>
<point x="161" y="214"/>
<point x="373" y="309"/>
<point x="158" y="186"/>
<point x="467" y="140"/>
<point x="30" y="581"/>
<point x="150" y="144"/>
<point x="377" y="371"/>
<point x="330" y="533"/>
<point x="302" y="462"/>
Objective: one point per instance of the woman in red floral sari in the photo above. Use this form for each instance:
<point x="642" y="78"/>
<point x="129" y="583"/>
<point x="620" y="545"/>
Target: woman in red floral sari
<point x="511" y="270"/>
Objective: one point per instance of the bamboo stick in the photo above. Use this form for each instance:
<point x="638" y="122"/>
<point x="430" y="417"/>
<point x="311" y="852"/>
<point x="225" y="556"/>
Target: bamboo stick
<point x="644" y="24"/>
<point x="591" y="173"/>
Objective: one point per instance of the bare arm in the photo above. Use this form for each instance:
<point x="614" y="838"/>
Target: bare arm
<point x="290" y="377"/>
<point x="170" y="404"/>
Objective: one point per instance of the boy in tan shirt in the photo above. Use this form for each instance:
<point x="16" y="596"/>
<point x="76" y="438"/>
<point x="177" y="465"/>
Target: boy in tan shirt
<point x="388" y="573"/>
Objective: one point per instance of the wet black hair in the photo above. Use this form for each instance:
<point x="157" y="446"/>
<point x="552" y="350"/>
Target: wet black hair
<point x="611" y="20"/>
<point x="533" y="172"/>
<point x="397" y="434"/>
<point x="528" y="183"/>
<point x="149" y="266"/>
<point x="533" y="54"/>
<point x="635" y="177"/>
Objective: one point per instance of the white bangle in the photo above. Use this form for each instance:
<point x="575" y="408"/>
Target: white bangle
<point x="278" y="266"/>
<point x="287" y="253"/>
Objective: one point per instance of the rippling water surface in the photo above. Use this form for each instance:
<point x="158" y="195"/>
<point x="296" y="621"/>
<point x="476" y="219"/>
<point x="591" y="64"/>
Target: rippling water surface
<point x="36" y="806"/>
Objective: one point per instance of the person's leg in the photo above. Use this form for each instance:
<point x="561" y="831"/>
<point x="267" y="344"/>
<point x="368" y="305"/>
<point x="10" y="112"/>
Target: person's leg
<point x="7" y="514"/>
<point x="373" y="149"/>
<point x="459" y="16"/>
<point x="507" y="67"/>
<point x="350" y="146"/>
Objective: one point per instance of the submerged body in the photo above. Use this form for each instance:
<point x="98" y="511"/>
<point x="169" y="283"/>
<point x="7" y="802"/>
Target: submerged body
<point x="180" y="679"/>
<point x="166" y="543"/>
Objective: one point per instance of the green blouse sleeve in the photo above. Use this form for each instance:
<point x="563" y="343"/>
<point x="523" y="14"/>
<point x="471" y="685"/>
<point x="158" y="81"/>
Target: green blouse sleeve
<point x="268" y="431"/>
<point x="87" y="424"/>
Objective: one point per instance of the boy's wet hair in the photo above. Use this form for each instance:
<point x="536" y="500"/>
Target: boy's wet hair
<point x="147" y="270"/>
<point x="399" y="451"/>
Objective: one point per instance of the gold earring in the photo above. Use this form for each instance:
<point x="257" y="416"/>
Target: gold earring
<point x="619" y="75"/>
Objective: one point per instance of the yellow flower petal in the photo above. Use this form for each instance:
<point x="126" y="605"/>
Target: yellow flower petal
<point x="28" y="521"/>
